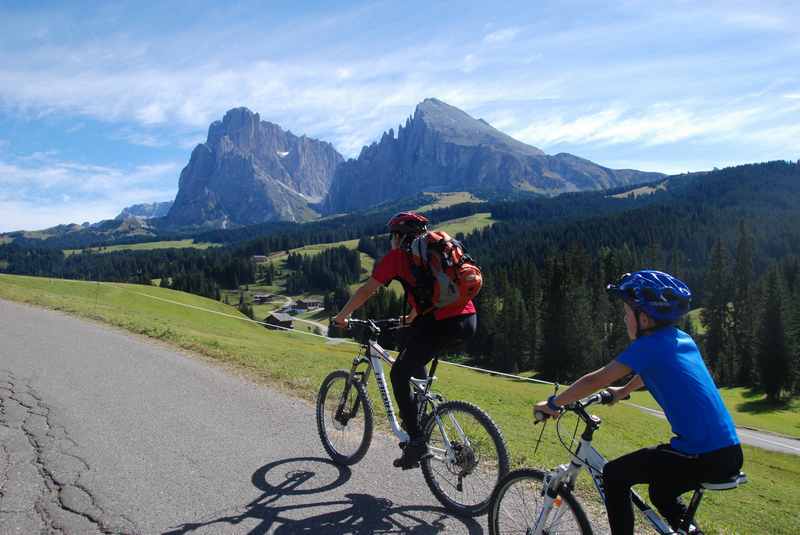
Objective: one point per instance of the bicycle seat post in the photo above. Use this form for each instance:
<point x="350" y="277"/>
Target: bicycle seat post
<point x="694" y="505"/>
<point x="727" y="484"/>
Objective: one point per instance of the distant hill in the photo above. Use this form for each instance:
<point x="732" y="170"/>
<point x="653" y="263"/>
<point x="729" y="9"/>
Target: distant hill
<point x="441" y="148"/>
<point x="145" y="211"/>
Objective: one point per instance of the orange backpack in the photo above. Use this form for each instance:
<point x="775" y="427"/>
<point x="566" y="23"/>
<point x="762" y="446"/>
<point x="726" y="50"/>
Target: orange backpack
<point x="446" y="276"/>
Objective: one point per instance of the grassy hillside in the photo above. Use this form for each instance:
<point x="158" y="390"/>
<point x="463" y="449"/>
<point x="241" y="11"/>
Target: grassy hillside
<point x="453" y="226"/>
<point x="445" y="200"/>
<point x="177" y="244"/>
<point x="298" y="363"/>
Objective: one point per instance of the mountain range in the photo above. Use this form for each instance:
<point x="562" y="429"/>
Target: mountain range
<point x="252" y="171"/>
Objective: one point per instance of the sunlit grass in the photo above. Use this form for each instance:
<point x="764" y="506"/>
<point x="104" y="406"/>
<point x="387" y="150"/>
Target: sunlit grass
<point x="149" y="246"/>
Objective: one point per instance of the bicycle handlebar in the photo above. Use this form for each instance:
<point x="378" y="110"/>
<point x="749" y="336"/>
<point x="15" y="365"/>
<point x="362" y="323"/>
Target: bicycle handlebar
<point x="604" y="397"/>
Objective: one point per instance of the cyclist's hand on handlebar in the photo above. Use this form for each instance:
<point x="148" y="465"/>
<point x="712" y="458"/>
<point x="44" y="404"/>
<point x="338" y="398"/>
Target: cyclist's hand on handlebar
<point x="340" y="321"/>
<point x="618" y="392"/>
<point x="542" y="412"/>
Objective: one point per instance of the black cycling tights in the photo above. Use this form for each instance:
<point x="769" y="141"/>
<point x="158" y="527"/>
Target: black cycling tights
<point x="425" y="337"/>
<point x="669" y="473"/>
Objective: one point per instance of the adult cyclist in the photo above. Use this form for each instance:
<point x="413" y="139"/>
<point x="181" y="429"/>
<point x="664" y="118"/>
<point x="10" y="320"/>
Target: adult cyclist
<point x="430" y="330"/>
<point x="665" y="360"/>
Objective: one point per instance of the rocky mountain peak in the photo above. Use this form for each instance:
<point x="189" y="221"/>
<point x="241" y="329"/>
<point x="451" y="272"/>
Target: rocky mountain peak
<point x="442" y="148"/>
<point x="458" y="127"/>
<point x="249" y="171"/>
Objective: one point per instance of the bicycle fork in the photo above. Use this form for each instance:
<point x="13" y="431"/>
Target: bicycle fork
<point x="553" y="481"/>
<point x="343" y="412"/>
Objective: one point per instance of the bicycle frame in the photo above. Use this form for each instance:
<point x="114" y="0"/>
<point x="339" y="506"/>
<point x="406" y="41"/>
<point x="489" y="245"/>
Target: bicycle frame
<point x="586" y="456"/>
<point x="374" y="357"/>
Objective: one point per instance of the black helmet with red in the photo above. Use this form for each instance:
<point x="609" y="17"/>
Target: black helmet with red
<point x="408" y="223"/>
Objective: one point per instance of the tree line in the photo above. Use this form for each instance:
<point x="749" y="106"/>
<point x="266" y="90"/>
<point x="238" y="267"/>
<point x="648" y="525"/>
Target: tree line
<point x="332" y="268"/>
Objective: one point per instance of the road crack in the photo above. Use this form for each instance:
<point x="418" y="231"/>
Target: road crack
<point x="63" y="504"/>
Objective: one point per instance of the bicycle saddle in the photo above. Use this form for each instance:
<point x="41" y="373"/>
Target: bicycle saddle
<point x="726" y="484"/>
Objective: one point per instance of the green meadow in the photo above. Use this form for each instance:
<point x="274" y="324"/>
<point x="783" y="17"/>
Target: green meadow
<point x="447" y="199"/>
<point x="149" y="246"/>
<point x="452" y="227"/>
<point x="297" y="363"/>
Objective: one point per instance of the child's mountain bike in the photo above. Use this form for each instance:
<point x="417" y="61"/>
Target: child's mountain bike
<point x="534" y="502"/>
<point x="468" y="451"/>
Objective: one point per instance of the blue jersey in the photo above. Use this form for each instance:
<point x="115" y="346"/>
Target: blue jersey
<point x="674" y="372"/>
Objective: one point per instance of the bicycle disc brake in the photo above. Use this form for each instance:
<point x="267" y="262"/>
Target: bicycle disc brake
<point x="465" y="462"/>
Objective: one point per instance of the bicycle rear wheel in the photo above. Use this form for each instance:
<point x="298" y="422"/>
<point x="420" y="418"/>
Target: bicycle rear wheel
<point x="344" y="425"/>
<point x="469" y="457"/>
<point x="517" y="503"/>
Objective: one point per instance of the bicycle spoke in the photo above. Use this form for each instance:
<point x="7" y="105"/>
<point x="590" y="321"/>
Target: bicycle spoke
<point x="347" y="437"/>
<point x="465" y="466"/>
<point x="520" y="501"/>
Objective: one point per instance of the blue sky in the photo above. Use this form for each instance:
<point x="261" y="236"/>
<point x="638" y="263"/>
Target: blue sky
<point x="100" y="105"/>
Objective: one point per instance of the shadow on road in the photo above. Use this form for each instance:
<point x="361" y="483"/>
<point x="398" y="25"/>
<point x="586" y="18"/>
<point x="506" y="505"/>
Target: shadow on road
<point x="360" y="514"/>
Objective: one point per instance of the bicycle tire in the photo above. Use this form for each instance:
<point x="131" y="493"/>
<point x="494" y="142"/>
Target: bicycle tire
<point x="482" y="463"/>
<point x="512" y="488"/>
<point x="359" y="436"/>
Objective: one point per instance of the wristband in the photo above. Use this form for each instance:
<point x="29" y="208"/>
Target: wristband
<point x="551" y="404"/>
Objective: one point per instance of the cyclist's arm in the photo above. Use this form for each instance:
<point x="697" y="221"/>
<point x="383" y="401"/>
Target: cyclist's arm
<point x="359" y="298"/>
<point x="624" y="391"/>
<point x="592" y="382"/>
<point x="633" y="385"/>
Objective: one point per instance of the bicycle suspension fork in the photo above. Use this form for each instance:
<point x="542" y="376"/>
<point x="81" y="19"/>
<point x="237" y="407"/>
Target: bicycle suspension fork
<point x="343" y="412"/>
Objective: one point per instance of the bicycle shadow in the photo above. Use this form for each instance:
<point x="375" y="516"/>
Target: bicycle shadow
<point x="357" y="514"/>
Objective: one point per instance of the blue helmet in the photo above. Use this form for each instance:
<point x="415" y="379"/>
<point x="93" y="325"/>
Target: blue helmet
<point x="660" y="295"/>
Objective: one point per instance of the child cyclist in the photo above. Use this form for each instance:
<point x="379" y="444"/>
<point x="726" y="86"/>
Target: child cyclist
<point x="665" y="360"/>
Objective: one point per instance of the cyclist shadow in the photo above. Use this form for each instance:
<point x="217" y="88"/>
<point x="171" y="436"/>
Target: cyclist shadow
<point x="357" y="514"/>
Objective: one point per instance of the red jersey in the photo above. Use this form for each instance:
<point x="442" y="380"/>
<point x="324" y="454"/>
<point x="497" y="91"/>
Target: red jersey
<point x="397" y="265"/>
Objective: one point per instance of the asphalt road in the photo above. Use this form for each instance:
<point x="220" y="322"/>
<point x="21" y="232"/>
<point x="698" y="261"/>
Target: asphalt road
<point x="104" y="432"/>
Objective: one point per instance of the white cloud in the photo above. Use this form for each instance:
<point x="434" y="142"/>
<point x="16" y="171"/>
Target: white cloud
<point x="501" y="36"/>
<point x="26" y="215"/>
<point x="655" y="125"/>
<point x="757" y="21"/>
<point x="344" y="73"/>
<point x="41" y="191"/>
<point x="142" y="139"/>
<point x="469" y="63"/>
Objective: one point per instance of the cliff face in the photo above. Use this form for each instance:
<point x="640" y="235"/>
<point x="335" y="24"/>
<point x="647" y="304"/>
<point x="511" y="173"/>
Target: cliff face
<point x="250" y="171"/>
<point x="441" y="148"/>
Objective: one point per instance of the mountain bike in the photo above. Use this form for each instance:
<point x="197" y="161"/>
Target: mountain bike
<point x="535" y="502"/>
<point x="469" y="453"/>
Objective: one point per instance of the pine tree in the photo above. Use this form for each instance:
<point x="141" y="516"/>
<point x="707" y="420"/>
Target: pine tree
<point x="744" y="308"/>
<point x="578" y="330"/>
<point x="715" y="314"/>
<point x="773" y="353"/>
<point x="554" y="345"/>
<point x="794" y="339"/>
<point x="512" y="345"/>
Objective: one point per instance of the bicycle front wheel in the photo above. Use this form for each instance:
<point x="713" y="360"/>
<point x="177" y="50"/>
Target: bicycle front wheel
<point x="344" y="418"/>
<point x="469" y="457"/>
<point x="517" y="504"/>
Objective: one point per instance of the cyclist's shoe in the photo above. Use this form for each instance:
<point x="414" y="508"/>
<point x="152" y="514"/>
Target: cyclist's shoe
<point x="413" y="452"/>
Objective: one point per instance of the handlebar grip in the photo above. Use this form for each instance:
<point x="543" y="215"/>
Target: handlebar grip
<point x="539" y="416"/>
<point x="607" y="397"/>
